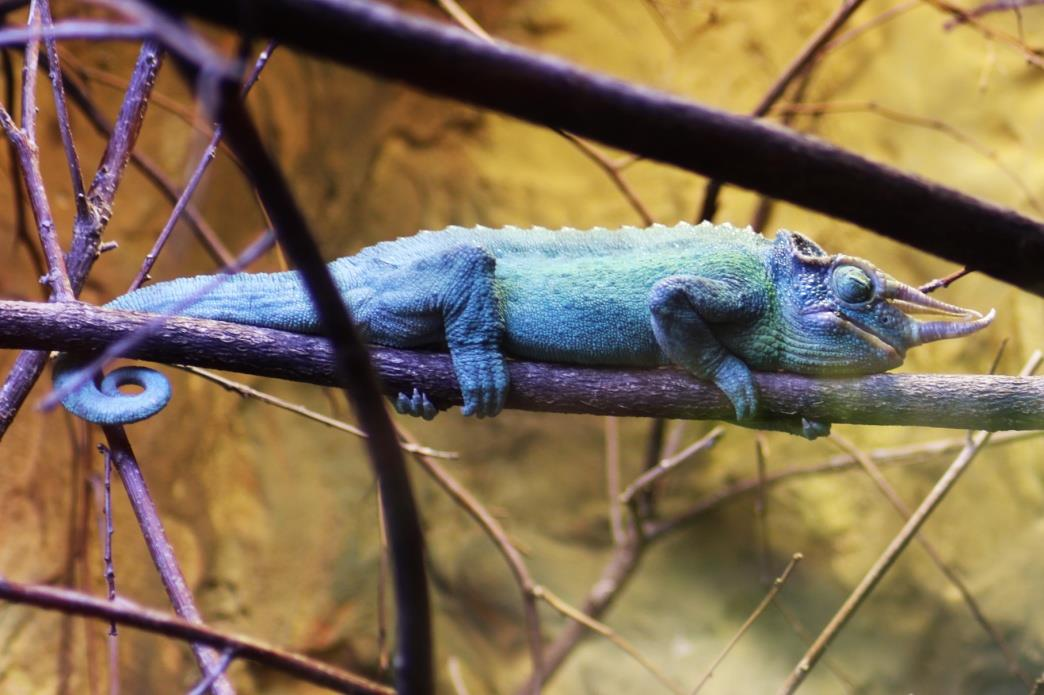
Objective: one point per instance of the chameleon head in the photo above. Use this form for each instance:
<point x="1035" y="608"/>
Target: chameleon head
<point x="850" y="317"/>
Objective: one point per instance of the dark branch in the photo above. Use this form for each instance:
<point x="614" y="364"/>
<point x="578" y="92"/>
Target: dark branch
<point x="125" y="612"/>
<point x="927" y="400"/>
<point x="739" y="150"/>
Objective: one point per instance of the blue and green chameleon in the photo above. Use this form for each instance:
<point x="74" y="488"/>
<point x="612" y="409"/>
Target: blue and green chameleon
<point x="713" y="299"/>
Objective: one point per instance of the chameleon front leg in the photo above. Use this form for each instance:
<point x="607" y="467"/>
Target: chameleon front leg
<point x="684" y="310"/>
<point x="449" y="295"/>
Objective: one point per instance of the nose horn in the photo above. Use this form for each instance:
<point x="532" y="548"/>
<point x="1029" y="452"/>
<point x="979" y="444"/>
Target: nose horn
<point x="913" y="300"/>
<point x="930" y="331"/>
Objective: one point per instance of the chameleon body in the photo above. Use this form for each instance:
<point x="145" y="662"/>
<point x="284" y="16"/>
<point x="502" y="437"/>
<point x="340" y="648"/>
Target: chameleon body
<point x="716" y="300"/>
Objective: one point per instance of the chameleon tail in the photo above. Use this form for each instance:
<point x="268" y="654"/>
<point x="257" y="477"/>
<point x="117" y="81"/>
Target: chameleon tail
<point x="102" y="401"/>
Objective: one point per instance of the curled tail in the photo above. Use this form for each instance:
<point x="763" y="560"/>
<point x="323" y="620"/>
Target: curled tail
<point x="271" y="300"/>
<point x="101" y="401"/>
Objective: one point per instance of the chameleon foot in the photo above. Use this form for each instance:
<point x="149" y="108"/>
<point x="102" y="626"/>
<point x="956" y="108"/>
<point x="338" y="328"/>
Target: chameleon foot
<point x="416" y="405"/>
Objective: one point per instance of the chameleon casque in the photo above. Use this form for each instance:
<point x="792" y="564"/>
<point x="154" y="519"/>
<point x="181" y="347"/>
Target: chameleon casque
<point x="714" y="299"/>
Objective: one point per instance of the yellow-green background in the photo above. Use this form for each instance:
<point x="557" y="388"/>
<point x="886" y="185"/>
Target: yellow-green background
<point x="273" y="517"/>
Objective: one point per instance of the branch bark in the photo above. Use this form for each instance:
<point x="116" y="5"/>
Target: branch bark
<point x="926" y="400"/>
<point x="736" y="149"/>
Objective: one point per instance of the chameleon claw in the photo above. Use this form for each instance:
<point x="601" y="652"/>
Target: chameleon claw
<point x="417" y="405"/>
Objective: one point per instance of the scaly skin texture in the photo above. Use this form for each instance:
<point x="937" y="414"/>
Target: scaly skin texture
<point x="716" y="300"/>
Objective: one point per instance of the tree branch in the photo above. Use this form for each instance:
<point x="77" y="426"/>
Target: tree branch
<point x="735" y="149"/>
<point x="926" y="400"/>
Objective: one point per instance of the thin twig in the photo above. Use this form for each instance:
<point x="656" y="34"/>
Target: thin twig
<point x="761" y="507"/>
<point x="87" y="231"/>
<point x="131" y="614"/>
<point x="892" y="552"/>
<point x="612" y="478"/>
<point x="667" y="464"/>
<point x="592" y="152"/>
<point x="968" y="19"/>
<point x="777" y="586"/>
<point x="160" y="548"/>
<point x="896" y="501"/>
<point x="945" y="281"/>
<point x="892" y="456"/>
<point x="590" y="623"/>
<point x="250" y="392"/>
<point x="218" y="671"/>
<point x="804" y="58"/>
<point x="516" y="563"/>
<point x="197" y="177"/>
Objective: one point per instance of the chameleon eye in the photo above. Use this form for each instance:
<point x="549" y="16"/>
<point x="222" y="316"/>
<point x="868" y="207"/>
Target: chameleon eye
<point x="852" y="285"/>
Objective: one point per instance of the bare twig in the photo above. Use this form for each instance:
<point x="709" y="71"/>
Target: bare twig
<point x="945" y="281"/>
<point x="507" y="549"/>
<point x="896" y="501"/>
<point x="892" y="456"/>
<point x="159" y="547"/>
<point x="196" y="178"/>
<point x="87" y="231"/>
<point x="969" y="19"/>
<point x="211" y="678"/>
<point x="804" y="58"/>
<point x="128" y="613"/>
<point x="250" y="392"/>
<point x="612" y="479"/>
<point x="777" y="586"/>
<point x="611" y="169"/>
<point x="761" y="507"/>
<point x="667" y="464"/>
<point x="892" y="552"/>
<point x="604" y="630"/>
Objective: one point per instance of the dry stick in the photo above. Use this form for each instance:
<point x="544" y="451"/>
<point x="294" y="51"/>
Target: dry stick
<point x="611" y="169"/>
<point x="14" y="174"/>
<point x="383" y="571"/>
<point x="413" y="654"/>
<point x="970" y="20"/>
<point x="945" y="281"/>
<point x="250" y="392"/>
<point x="131" y="614"/>
<point x="893" y="456"/>
<point x="795" y="624"/>
<point x="668" y="464"/>
<point x="602" y="629"/>
<point x="991" y="7"/>
<point x="159" y="547"/>
<point x="797" y="66"/>
<point x="197" y="176"/>
<point x="150" y="170"/>
<point x="551" y="92"/>
<point x="615" y="575"/>
<point x="208" y="681"/>
<point x="904" y="512"/>
<point x="895" y="548"/>
<point x="777" y="586"/>
<point x="857" y="31"/>
<point x="503" y="543"/>
<point x="456" y="676"/>
<point x="87" y="231"/>
<point x="761" y="508"/>
<point x="612" y="479"/>
<point x="24" y="140"/>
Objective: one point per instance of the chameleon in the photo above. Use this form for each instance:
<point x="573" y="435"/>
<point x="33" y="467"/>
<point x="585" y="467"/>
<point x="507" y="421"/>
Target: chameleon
<point x="716" y="300"/>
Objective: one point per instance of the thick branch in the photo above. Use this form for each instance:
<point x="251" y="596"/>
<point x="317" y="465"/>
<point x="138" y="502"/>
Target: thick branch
<point x="927" y="400"/>
<point x="739" y="150"/>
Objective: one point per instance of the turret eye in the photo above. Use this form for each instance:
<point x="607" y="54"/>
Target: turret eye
<point x="852" y="285"/>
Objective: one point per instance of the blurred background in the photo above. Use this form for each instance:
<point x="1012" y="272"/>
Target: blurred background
<point x="274" y="517"/>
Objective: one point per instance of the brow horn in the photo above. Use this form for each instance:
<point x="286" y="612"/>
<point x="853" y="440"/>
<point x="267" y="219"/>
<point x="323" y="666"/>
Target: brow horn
<point x="912" y="301"/>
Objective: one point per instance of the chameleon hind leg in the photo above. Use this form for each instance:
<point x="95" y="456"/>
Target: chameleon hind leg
<point x="448" y="296"/>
